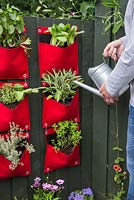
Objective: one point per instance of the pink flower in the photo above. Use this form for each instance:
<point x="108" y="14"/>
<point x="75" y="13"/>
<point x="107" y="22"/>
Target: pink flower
<point x="60" y="181"/>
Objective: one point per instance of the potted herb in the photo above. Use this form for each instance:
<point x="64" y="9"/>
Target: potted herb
<point x="60" y="85"/>
<point x="14" y="152"/>
<point x="12" y="32"/>
<point x="59" y="47"/>
<point x="61" y="101"/>
<point x="14" y="105"/>
<point x="63" y="34"/>
<point x="67" y="136"/>
<point x="14" y="93"/>
<point x="62" y="146"/>
<point x="14" y="43"/>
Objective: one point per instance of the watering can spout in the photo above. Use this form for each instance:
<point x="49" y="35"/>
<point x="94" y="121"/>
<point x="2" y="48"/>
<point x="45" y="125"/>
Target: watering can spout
<point x="99" y="75"/>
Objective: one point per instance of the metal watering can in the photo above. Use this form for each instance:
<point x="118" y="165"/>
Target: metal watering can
<point x="99" y="75"/>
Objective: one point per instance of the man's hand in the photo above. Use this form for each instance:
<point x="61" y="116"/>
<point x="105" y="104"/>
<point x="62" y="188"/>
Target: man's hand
<point x="114" y="50"/>
<point x="107" y="97"/>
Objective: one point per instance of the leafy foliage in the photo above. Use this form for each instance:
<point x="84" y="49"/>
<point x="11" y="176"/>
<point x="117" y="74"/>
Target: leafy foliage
<point x="60" y="85"/>
<point x="11" y="93"/>
<point x="12" y="27"/>
<point x="113" y="19"/>
<point x="27" y="8"/>
<point x="77" y="9"/>
<point x="67" y="135"/>
<point x="63" y="34"/>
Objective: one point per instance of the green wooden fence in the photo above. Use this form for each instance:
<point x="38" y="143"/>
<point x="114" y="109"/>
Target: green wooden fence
<point x="98" y="121"/>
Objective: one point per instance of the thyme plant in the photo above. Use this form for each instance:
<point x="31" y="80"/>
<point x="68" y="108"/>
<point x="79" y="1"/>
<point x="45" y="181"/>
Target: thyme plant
<point x="15" y="139"/>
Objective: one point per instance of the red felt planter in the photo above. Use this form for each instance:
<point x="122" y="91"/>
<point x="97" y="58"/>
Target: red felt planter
<point x="57" y="57"/>
<point x="20" y="114"/>
<point x="23" y="169"/>
<point x="56" y="159"/>
<point x="54" y="111"/>
<point x="13" y="63"/>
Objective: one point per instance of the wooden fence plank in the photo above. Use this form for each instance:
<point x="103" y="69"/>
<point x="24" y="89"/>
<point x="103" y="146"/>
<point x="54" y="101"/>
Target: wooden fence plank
<point x="100" y="117"/>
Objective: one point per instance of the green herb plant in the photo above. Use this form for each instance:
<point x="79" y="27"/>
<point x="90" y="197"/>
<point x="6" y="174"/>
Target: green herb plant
<point x="67" y="135"/>
<point x="60" y="85"/>
<point x="12" y="28"/>
<point x="113" y="19"/>
<point x="15" y="139"/>
<point x="63" y="34"/>
<point x="12" y="93"/>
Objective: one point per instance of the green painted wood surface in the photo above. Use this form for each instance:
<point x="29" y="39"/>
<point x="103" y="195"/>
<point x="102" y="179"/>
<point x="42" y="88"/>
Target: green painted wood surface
<point x="97" y="120"/>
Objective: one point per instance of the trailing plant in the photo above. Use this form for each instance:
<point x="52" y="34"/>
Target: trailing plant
<point x="47" y="190"/>
<point x="67" y="135"/>
<point x="118" y="167"/>
<point x="113" y="19"/>
<point x="60" y="85"/>
<point x="12" y="28"/>
<point x="11" y="93"/>
<point x="120" y="174"/>
<point x="77" y="9"/>
<point x="11" y="146"/>
<point x="63" y="34"/>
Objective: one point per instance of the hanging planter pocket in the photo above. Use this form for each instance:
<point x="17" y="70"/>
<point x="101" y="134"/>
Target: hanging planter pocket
<point x="20" y="115"/>
<point x="56" y="159"/>
<point x="23" y="168"/>
<point x="53" y="57"/>
<point x="54" y="111"/>
<point x="13" y="63"/>
<point x="16" y="112"/>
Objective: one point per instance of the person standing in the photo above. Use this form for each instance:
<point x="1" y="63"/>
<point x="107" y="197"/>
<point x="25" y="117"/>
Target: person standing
<point x="122" y="51"/>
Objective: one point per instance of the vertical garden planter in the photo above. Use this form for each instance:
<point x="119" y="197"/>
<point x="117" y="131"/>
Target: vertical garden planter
<point x="56" y="57"/>
<point x="13" y="63"/>
<point x="23" y="167"/>
<point x="63" y="146"/>
<point x="54" y="111"/>
<point x="19" y="114"/>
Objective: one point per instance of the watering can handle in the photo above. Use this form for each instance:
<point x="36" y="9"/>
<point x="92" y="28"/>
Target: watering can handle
<point x="104" y="59"/>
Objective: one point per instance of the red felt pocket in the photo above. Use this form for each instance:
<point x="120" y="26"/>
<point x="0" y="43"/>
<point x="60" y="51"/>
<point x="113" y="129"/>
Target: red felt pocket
<point x="56" y="57"/>
<point x="56" y="159"/>
<point x="23" y="169"/>
<point x="54" y="111"/>
<point x="13" y="63"/>
<point x="20" y="115"/>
